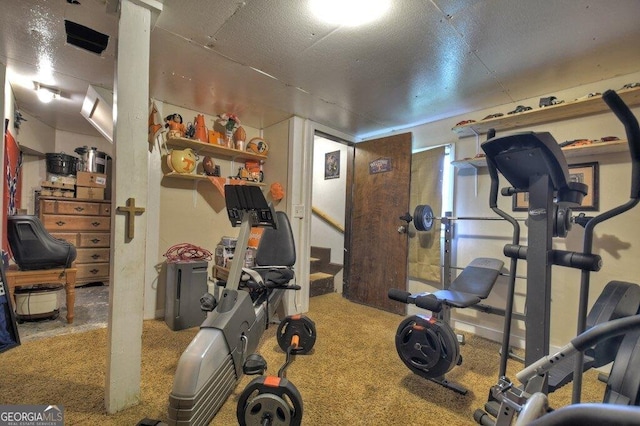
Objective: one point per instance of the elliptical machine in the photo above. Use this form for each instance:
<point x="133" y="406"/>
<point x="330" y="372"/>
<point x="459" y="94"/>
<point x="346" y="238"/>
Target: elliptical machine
<point x="534" y="163"/>
<point x="216" y="358"/>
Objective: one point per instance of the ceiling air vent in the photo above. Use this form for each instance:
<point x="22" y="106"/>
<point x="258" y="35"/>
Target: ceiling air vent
<point x="85" y="38"/>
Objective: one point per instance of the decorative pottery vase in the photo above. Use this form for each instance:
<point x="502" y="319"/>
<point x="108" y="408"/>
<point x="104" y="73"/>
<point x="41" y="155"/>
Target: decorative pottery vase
<point x="228" y="139"/>
<point x="182" y="160"/>
<point x="239" y="137"/>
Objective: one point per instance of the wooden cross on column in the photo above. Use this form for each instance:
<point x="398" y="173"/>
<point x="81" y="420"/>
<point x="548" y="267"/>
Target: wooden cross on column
<point x="131" y="211"/>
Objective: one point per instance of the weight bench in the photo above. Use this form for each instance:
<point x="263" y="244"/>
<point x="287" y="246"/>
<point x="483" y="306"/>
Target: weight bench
<point x="474" y="284"/>
<point x="428" y="346"/>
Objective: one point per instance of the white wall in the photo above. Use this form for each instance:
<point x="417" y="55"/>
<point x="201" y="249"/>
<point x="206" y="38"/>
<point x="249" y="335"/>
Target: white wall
<point x="617" y="241"/>
<point x="195" y="212"/>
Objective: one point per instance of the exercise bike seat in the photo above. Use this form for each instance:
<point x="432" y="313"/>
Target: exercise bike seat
<point x="275" y="257"/>
<point x="473" y="284"/>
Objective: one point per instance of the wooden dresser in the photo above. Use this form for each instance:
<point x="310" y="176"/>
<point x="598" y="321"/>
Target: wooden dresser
<point x="85" y="224"/>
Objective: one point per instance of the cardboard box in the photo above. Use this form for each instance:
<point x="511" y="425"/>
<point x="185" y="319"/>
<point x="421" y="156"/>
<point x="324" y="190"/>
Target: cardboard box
<point x="61" y="179"/>
<point x="89" y="193"/>
<point x="94" y="180"/>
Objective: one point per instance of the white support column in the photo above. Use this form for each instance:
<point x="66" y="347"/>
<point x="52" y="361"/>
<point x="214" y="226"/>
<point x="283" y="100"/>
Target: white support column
<point x="298" y="200"/>
<point x="126" y="292"/>
<point x="6" y="93"/>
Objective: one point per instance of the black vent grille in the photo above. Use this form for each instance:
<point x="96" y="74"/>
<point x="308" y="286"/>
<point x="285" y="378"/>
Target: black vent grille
<point x="85" y="38"/>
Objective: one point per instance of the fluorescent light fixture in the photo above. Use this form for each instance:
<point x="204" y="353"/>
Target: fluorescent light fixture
<point x="350" y="13"/>
<point x="46" y="94"/>
<point x="97" y="108"/>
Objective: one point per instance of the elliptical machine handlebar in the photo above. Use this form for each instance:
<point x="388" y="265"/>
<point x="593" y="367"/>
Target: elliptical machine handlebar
<point x="630" y="123"/>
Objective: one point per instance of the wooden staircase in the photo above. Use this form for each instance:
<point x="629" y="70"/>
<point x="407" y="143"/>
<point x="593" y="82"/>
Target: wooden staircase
<point x="322" y="272"/>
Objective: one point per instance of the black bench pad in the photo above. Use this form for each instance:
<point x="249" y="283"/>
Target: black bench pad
<point x="457" y="299"/>
<point x="478" y="278"/>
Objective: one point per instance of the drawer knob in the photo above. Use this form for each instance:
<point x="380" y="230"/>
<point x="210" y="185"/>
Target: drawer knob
<point x="60" y="223"/>
<point x="79" y="209"/>
<point x="95" y="223"/>
<point x="95" y="240"/>
<point x="95" y="256"/>
<point x="94" y="271"/>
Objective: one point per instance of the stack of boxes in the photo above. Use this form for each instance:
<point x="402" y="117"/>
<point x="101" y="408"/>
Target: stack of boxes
<point x="58" y="186"/>
<point x="90" y="186"/>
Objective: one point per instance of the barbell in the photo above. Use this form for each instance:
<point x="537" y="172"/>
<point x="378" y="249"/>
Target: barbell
<point x="423" y="217"/>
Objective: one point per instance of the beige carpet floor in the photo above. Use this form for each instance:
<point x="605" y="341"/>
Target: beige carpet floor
<point x="352" y="377"/>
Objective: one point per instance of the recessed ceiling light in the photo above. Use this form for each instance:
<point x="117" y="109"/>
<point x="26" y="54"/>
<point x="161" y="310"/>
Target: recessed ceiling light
<point x="349" y="12"/>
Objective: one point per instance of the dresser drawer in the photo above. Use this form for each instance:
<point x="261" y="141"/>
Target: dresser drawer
<point x="92" y="255"/>
<point x="94" y="239"/>
<point x="71" y="237"/>
<point x="70" y="207"/>
<point x="56" y="222"/>
<point x="92" y="271"/>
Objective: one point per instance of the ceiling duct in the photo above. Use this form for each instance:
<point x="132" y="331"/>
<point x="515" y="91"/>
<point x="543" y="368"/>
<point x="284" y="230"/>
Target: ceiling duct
<point x="97" y="108"/>
<point x="85" y="38"/>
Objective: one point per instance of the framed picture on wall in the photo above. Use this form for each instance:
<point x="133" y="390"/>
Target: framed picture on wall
<point x="332" y="165"/>
<point x="586" y="173"/>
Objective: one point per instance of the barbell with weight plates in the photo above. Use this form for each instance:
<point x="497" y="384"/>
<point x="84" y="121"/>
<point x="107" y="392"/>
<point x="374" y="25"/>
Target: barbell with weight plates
<point x="423" y="219"/>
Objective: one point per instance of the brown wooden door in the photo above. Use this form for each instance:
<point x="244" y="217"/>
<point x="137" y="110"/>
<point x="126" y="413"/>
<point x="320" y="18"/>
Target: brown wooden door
<point x="380" y="195"/>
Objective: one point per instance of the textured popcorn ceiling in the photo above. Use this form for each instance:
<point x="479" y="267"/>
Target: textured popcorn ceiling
<point x="269" y="60"/>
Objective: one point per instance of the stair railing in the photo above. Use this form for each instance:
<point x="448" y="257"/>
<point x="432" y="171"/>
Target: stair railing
<point x="330" y="221"/>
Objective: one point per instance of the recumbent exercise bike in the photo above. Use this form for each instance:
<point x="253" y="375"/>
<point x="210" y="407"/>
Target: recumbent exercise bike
<point x="223" y="350"/>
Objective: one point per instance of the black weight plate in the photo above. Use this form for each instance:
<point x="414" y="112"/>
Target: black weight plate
<point x="428" y="346"/>
<point x="423" y="217"/>
<point x="562" y="222"/>
<point x="301" y="326"/>
<point x="272" y="399"/>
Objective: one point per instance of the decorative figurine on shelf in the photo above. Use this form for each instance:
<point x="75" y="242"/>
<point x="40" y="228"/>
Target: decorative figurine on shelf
<point x="252" y="171"/>
<point x="190" y="131"/>
<point x="230" y="123"/>
<point x="201" y="133"/>
<point x="277" y="191"/>
<point x="175" y="126"/>
<point x="258" y="146"/>
<point x="239" y="137"/>
<point x="210" y="167"/>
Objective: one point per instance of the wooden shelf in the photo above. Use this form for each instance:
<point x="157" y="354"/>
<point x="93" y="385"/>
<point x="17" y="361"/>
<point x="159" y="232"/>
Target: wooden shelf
<point x="569" y="152"/>
<point x="218" y="151"/>
<point x="563" y="111"/>
<point x="189" y="176"/>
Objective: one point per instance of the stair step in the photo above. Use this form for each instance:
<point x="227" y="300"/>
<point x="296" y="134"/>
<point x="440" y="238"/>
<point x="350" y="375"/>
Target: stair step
<point x="315" y="264"/>
<point x="319" y="276"/>
<point x="320" y="283"/>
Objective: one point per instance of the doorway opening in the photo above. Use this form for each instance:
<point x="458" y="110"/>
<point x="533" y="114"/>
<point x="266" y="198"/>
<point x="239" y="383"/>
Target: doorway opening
<point x="328" y="206"/>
